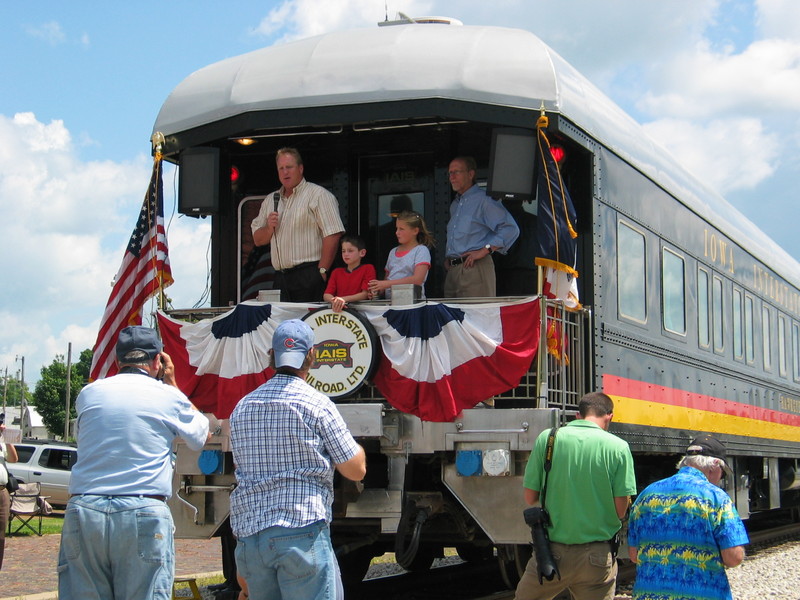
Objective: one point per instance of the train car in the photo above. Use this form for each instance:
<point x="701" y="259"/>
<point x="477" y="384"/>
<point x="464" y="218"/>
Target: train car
<point x="690" y="318"/>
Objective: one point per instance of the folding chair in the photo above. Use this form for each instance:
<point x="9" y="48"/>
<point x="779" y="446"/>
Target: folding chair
<point x="26" y="505"/>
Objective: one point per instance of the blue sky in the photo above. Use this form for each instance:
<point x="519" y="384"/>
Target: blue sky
<point x="717" y="82"/>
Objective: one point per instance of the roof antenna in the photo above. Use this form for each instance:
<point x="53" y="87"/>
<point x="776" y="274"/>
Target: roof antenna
<point x="386" y="10"/>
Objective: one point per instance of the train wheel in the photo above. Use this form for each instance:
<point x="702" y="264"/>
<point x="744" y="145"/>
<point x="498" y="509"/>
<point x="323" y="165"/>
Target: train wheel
<point x="470" y="553"/>
<point x="423" y="559"/>
<point x="512" y="560"/>
<point x="354" y="565"/>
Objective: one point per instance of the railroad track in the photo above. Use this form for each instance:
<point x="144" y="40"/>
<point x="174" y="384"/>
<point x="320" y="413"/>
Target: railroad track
<point x="482" y="580"/>
<point x="780" y="533"/>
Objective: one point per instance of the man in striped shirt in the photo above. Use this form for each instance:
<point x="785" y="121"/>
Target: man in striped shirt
<point x="287" y="439"/>
<point x="301" y="221"/>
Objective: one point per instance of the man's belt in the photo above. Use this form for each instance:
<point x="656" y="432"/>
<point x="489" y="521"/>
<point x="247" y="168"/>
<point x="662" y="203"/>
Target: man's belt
<point x="459" y="260"/>
<point x="304" y="265"/>
<point x="148" y="496"/>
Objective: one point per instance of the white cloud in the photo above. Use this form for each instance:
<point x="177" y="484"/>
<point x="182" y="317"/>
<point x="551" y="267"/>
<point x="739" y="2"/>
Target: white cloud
<point x="763" y="78"/>
<point x="50" y="32"/>
<point x="66" y="224"/>
<point x="779" y="18"/>
<point x="729" y="155"/>
<point x="297" y="19"/>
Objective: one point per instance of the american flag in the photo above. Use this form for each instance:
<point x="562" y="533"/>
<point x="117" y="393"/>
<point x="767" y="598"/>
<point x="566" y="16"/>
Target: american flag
<point x="144" y="272"/>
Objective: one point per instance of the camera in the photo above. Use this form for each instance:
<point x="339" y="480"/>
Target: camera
<point x="538" y="519"/>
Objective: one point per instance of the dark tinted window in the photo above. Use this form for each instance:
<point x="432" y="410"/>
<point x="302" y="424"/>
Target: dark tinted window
<point x="24" y="452"/>
<point x="56" y="458"/>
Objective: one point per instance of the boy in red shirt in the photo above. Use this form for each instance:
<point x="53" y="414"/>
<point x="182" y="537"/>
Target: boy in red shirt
<point x="349" y="283"/>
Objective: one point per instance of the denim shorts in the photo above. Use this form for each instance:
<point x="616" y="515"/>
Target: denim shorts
<point x="281" y="563"/>
<point x="117" y="547"/>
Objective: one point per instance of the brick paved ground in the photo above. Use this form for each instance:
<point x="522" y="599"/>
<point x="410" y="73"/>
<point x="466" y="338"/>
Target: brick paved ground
<point x="29" y="566"/>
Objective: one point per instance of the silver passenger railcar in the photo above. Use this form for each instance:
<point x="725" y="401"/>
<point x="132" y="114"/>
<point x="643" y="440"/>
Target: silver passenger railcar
<point x="692" y="318"/>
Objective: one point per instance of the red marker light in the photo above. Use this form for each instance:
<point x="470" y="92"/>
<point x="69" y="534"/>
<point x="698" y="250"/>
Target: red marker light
<point x="558" y="153"/>
<point x="234" y="174"/>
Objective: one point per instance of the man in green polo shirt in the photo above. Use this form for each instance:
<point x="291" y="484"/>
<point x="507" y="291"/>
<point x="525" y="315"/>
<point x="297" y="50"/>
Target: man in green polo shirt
<point x="588" y="492"/>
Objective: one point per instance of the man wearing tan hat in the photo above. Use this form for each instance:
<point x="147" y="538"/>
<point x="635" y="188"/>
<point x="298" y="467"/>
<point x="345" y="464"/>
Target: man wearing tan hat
<point x="684" y="530"/>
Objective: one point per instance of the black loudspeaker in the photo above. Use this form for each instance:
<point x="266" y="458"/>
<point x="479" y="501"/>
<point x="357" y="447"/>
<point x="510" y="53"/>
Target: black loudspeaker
<point x="512" y="164"/>
<point x="198" y="181"/>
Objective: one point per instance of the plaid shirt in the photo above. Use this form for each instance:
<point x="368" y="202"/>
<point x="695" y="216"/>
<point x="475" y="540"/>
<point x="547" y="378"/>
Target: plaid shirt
<point x="286" y="438"/>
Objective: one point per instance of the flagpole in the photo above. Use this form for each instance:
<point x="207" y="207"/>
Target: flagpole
<point x="157" y="140"/>
<point x="541" y="355"/>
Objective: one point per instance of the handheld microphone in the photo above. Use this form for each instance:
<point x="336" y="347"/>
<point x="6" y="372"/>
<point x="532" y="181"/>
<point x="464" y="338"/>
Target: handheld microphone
<point x="276" y="197"/>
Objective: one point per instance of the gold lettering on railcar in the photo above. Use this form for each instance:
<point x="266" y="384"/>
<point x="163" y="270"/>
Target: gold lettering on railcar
<point x="775" y="290"/>
<point x="718" y="250"/>
<point x="789" y="404"/>
<point x="399" y="177"/>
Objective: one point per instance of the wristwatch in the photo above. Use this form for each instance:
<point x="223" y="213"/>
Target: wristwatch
<point x="322" y="270"/>
<point x="489" y="248"/>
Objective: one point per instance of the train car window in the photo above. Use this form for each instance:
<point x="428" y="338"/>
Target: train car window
<point x="796" y="350"/>
<point x="782" y="362"/>
<point x="631" y="276"/>
<point x="703" y="329"/>
<point x="749" y="330"/>
<point x="738" y="330"/>
<point x="766" y="338"/>
<point x="717" y="314"/>
<point x="673" y="292"/>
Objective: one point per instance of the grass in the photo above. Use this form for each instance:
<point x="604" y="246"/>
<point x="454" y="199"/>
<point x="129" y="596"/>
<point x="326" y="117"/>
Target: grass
<point x="50" y="525"/>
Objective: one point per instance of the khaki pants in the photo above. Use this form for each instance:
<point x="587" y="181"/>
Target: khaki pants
<point x="587" y="570"/>
<point x="477" y="281"/>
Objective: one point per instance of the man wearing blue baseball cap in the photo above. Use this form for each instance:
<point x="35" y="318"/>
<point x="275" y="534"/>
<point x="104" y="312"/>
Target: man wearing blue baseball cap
<point x="117" y="538"/>
<point x="287" y="439"/>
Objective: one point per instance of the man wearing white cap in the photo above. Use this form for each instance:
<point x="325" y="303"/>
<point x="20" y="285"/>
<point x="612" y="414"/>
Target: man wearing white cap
<point x="684" y="530"/>
<point x="287" y="439"/>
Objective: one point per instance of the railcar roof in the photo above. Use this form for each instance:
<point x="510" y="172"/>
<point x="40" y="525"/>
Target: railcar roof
<point x="485" y="65"/>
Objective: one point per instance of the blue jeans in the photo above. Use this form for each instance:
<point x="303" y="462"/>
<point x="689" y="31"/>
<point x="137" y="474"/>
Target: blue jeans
<point x="117" y="547"/>
<point x="281" y="563"/>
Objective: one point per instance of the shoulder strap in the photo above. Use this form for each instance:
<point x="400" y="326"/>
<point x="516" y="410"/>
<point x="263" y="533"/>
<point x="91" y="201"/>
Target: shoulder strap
<point x="548" y="460"/>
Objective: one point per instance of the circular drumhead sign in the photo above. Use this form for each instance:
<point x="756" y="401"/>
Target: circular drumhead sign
<point x="346" y="352"/>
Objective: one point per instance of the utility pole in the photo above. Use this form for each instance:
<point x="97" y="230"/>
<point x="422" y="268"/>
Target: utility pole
<point x="69" y="371"/>
<point x="5" y="390"/>
<point x="23" y="407"/>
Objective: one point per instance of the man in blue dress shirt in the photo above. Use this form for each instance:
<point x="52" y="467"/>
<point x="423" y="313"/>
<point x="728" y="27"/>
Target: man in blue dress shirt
<point x="478" y="227"/>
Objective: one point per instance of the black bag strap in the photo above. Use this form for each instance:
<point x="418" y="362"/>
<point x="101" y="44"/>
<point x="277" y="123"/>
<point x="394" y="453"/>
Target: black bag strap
<point x="548" y="460"/>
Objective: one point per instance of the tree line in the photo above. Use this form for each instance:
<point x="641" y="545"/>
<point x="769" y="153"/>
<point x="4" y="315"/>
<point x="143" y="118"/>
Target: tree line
<point x="49" y="394"/>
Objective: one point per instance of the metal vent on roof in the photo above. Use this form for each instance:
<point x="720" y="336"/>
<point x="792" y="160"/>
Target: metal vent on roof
<point x="404" y="19"/>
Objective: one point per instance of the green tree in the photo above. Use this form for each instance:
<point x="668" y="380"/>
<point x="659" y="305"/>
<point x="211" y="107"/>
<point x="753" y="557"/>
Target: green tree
<point x="49" y="396"/>
<point x="11" y="386"/>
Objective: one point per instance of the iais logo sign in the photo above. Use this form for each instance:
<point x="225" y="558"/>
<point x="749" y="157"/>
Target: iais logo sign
<point x="346" y="352"/>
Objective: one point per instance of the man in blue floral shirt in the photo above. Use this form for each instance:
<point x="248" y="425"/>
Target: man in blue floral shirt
<point x="684" y="530"/>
